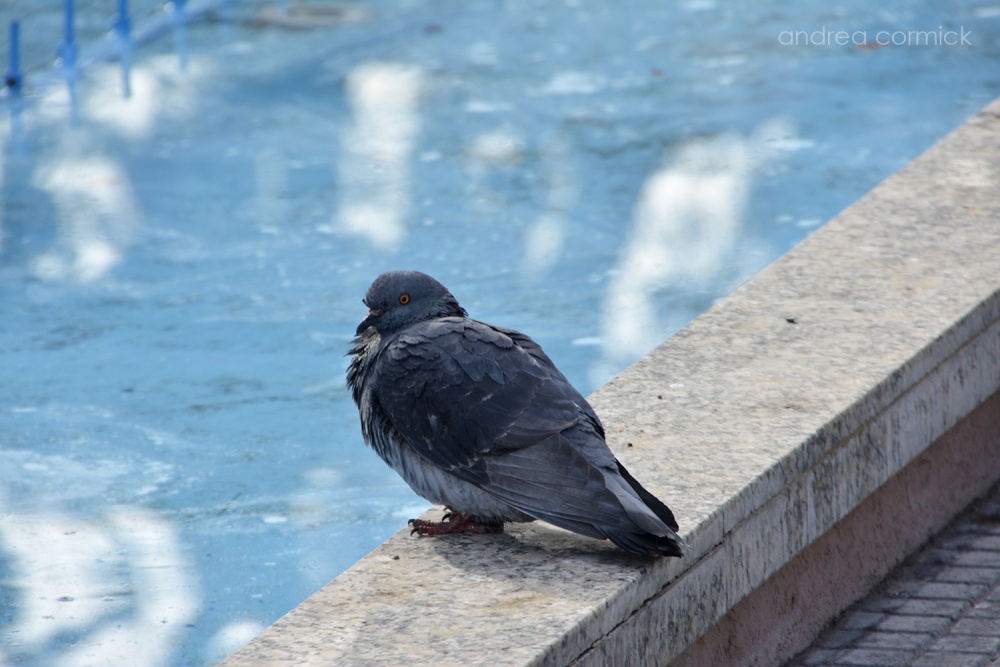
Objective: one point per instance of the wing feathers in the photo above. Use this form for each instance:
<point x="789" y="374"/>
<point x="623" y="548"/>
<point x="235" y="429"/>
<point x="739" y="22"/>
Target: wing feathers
<point x="488" y="406"/>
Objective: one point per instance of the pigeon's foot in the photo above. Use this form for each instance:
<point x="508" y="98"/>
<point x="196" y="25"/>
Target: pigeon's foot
<point x="454" y="522"/>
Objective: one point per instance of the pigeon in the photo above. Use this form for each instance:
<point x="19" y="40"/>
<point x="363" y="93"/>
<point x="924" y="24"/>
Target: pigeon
<point x="477" y="418"/>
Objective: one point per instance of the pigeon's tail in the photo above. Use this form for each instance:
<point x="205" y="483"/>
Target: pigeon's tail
<point x="649" y="544"/>
<point x="652" y="502"/>
<point x="653" y="529"/>
<point x="555" y="481"/>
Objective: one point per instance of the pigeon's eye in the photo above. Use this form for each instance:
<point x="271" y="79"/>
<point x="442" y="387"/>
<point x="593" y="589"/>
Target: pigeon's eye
<point x="404" y="299"/>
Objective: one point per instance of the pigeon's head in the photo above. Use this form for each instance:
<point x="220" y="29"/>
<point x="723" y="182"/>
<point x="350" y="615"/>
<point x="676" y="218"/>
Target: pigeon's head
<point x="399" y="298"/>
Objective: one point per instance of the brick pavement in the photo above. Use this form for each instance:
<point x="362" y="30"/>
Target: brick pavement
<point x="939" y="608"/>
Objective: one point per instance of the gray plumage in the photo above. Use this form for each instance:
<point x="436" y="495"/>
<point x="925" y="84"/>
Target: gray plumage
<point x="477" y="418"/>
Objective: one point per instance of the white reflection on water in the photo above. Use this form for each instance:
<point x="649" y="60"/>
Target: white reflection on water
<point x="119" y="585"/>
<point x="97" y="216"/>
<point x="685" y="226"/>
<point x="374" y="161"/>
<point x="134" y="116"/>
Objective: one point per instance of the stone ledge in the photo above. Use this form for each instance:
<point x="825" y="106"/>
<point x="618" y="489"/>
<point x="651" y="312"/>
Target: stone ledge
<point x="762" y="424"/>
<point x="783" y="616"/>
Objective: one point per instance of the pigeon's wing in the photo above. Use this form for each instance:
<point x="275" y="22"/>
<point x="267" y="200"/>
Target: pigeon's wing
<point x="535" y="350"/>
<point x="488" y="406"/>
<point x="457" y="390"/>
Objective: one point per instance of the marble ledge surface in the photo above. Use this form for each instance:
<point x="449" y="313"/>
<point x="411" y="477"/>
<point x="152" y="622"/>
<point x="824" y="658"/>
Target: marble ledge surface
<point x="761" y="423"/>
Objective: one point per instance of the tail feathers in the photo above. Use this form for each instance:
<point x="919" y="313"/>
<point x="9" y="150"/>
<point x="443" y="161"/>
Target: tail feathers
<point x="654" y="528"/>
<point x="634" y="538"/>
<point x="631" y="517"/>
<point x="647" y="544"/>
<point x="651" y="501"/>
<point x="555" y="481"/>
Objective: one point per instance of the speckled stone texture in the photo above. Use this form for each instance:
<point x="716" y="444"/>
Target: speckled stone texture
<point x="762" y="424"/>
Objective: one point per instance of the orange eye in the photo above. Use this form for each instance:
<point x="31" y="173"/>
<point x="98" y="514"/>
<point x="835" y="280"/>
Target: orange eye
<point x="404" y="299"/>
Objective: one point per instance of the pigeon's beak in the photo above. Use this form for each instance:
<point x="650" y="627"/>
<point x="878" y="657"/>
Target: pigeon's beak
<point x="369" y="320"/>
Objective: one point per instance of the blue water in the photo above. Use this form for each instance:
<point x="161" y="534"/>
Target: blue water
<point x="181" y="272"/>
